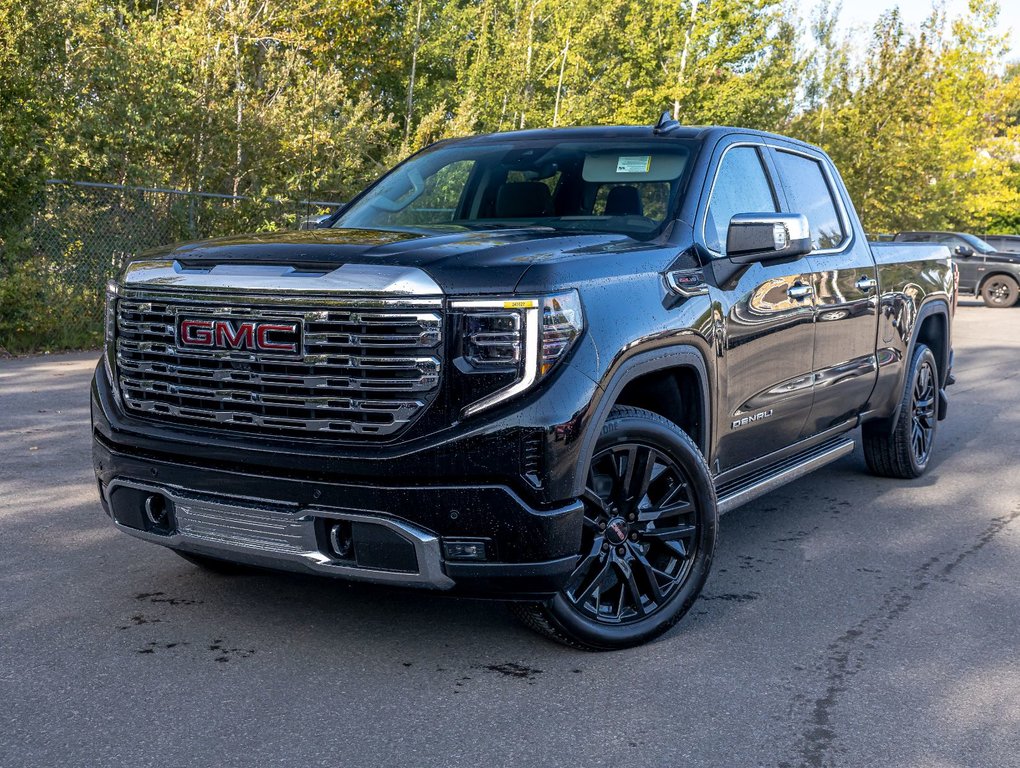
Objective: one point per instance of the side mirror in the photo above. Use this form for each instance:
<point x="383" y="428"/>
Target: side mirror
<point x="963" y="250"/>
<point x="764" y="237"/>
<point x="313" y="222"/>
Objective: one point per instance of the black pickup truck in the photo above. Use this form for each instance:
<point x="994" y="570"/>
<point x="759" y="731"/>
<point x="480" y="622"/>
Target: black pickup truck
<point x="992" y="274"/>
<point x="533" y="366"/>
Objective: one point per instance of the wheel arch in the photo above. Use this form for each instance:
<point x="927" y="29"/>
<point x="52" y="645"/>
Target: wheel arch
<point x="676" y="375"/>
<point x="997" y="273"/>
<point x="932" y="328"/>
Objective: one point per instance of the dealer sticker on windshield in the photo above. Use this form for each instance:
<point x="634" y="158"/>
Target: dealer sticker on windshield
<point x="634" y="164"/>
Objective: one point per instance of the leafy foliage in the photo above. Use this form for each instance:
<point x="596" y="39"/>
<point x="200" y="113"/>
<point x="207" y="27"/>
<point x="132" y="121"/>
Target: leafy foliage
<point x="924" y="128"/>
<point x="307" y="98"/>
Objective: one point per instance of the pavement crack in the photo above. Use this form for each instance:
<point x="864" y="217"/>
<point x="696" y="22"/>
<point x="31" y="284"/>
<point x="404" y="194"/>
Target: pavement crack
<point x="845" y="656"/>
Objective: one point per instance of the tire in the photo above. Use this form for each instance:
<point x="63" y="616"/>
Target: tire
<point x="906" y="451"/>
<point x="1000" y="291"/>
<point x="649" y="537"/>
<point x="213" y="564"/>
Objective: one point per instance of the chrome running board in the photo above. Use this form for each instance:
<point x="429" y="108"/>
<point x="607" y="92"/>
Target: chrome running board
<point x="733" y="495"/>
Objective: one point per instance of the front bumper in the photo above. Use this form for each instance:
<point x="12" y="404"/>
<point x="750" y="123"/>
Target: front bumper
<point x="279" y="522"/>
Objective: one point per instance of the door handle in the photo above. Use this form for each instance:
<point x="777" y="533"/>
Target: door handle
<point x="799" y="291"/>
<point x="866" y="284"/>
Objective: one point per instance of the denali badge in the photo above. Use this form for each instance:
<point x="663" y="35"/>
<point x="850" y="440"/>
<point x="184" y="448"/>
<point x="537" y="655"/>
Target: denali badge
<point x="737" y="423"/>
<point x="252" y="335"/>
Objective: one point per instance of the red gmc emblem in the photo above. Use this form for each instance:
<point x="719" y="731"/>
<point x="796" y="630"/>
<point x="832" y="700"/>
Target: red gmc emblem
<point x="251" y="335"/>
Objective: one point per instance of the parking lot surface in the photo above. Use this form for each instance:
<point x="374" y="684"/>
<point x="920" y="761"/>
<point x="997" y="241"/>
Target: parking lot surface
<point x="848" y="621"/>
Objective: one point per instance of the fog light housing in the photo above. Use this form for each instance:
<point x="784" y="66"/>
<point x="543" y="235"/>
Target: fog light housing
<point x="466" y="549"/>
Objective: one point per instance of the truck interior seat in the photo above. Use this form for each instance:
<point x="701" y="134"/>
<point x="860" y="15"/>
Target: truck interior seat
<point x="624" y="201"/>
<point x="522" y="200"/>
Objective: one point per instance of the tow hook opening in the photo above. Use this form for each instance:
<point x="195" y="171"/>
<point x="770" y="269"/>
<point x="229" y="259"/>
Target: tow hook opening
<point x="341" y="540"/>
<point x="156" y="510"/>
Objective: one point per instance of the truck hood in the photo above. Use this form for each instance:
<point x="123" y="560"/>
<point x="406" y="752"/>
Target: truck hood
<point x="459" y="261"/>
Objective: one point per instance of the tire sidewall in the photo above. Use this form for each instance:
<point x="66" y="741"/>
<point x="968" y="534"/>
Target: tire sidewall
<point x="1011" y="286"/>
<point x="921" y="355"/>
<point x="629" y="427"/>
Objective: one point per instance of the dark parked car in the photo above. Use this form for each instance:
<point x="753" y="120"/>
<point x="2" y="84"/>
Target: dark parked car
<point x="1004" y="243"/>
<point x="533" y="366"/>
<point x="993" y="275"/>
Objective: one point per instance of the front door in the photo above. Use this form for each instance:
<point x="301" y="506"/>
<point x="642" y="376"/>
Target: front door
<point x="766" y="315"/>
<point x="845" y="283"/>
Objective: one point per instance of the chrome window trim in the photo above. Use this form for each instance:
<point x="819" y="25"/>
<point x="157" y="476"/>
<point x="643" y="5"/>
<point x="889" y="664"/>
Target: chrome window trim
<point x="837" y="199"/>
<point x="715" y="180"/>
<point x="848" y="232"/>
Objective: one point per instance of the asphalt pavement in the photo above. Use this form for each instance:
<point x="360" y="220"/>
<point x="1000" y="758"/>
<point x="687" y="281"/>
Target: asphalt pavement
<point x="848" y="621"/>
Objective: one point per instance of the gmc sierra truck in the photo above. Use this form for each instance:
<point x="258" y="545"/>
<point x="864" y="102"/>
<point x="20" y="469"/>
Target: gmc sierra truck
<point x="533" y="366"/>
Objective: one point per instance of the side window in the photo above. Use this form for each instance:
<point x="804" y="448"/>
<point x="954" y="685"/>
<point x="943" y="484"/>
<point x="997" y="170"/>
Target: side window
<point x="808" y="192"/>
<point x="741" y="186"/>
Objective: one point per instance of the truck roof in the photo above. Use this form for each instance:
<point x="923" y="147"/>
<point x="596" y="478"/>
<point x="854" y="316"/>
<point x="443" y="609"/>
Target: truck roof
<point x="594" y="132"/>
<point x="931" y="232"/>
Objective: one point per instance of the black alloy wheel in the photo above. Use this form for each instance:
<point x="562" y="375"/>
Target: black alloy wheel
<point x="904" y="448"/>
<point x="1000" y="291"/>
<point x="640" y="534"/>
<point x="647" y="541"/>
<point x="923" y="413"/>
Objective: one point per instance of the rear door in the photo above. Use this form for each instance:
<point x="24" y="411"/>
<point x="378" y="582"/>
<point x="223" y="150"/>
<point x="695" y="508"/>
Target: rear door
<point x="845" y="283"/>
<point x="766" y="313"/>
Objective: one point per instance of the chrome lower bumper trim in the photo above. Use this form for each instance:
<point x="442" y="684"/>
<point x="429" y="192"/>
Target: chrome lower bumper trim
<point x="252" y="531"/>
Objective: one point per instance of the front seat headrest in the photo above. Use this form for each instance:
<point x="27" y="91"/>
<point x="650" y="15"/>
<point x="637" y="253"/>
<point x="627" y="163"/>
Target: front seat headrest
<point x="624" y="201"/>
<point x="522" y="200"/>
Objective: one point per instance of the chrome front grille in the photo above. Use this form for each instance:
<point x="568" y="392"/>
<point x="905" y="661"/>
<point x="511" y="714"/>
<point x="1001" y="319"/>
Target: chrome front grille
<point x="366" y="366"/>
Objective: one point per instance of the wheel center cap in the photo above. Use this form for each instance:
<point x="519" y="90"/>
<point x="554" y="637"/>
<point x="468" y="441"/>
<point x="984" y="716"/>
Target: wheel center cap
<point x="617" y="530"/>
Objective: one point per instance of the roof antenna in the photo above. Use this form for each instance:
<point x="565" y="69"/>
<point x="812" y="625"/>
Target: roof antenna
<point x="666" y="123"/>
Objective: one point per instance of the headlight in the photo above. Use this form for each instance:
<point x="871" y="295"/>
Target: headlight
<point x="110" y="316"/>
<point x="110" y="330"/>
<point x="507" y="345"/>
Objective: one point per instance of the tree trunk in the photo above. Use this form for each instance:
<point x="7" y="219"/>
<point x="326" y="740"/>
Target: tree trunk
<point x="559" y="86"/>
<point x="528" y="85"/>
<point x="414" y="68"/>
<point x="239" y="107"/>
<point x="683" y="59"/>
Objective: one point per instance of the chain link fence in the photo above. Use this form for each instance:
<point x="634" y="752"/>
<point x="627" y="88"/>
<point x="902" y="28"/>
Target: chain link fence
<point x="52" y="282"/>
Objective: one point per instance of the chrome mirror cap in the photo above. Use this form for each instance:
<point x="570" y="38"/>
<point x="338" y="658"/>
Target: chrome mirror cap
<point x="754" y="237"/>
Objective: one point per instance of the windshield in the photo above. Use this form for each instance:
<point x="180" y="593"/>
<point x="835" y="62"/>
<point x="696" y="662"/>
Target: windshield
<point x="628" y="187"/>
<point x="978" y="244"/>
